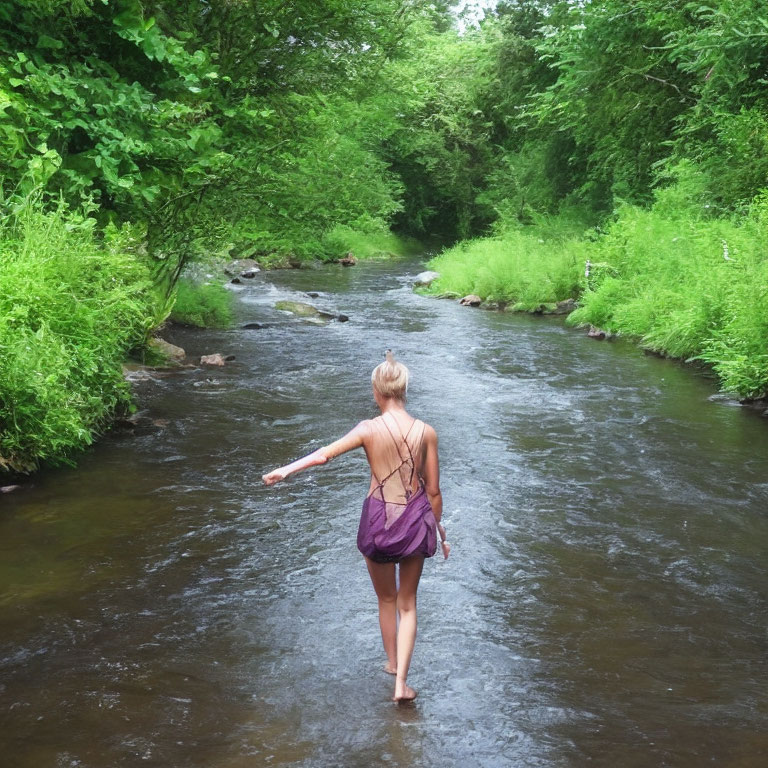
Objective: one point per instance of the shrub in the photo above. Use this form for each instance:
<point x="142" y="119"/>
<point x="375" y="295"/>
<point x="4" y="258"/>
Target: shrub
<point x="70" y="309"/>
<point x="688" y="288"/>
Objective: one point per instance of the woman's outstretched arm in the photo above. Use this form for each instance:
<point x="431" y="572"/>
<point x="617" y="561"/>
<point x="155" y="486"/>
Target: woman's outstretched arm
<point x="353" y="439"/>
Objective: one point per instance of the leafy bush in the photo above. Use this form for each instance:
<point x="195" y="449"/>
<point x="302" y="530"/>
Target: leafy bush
<point x="70" y="309"/>
<point x="202" y="305"/>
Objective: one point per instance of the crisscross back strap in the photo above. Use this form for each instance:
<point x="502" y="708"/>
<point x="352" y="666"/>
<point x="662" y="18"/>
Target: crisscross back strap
<point x="410" y="461"/>
<point x="404" y="438"/>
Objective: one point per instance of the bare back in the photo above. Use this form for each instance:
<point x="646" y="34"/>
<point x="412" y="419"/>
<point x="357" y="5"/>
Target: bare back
<point x="396" y="456"/>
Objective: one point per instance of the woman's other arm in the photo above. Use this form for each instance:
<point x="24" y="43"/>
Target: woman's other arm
<point x="432" y="473"/>
<point x="432" y="484"/>
<point x="353" y="439"/>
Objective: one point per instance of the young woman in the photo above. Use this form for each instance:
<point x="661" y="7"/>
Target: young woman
<point x="401" y="512"/>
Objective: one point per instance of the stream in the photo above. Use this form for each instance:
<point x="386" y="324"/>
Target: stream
<point x="605" y="602"/>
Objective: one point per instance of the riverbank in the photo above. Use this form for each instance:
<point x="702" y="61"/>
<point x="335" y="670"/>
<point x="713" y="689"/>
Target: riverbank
<point x="683" y="286"/>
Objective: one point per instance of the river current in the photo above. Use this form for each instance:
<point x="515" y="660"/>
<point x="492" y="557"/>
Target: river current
<point x="605" y="603"/>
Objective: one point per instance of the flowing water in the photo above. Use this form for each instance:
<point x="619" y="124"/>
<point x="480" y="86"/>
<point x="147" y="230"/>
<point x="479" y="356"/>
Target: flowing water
<point x="605" y="602"/>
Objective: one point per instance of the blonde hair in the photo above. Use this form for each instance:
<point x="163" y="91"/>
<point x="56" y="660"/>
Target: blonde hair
<point x="390" y="378"/>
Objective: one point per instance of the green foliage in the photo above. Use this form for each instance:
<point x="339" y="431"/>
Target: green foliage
<point x="295" y="131"/>
<point x="308" y="166"/>
<point x="341" y="239"/>
<point x="693" y="289"/>
<point x="520" y="268"/>
<point x="70" y="309"/>
<point x="203" y="305"/>
<point x="440" y="148"/>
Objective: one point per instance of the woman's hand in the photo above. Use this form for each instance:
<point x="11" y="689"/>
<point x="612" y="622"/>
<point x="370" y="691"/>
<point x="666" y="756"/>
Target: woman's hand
<point x="275" y="476"/>
<point x="445" y="545"/>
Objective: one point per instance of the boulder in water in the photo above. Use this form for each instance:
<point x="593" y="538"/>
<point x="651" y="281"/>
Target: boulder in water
<point x="423" y="279"/>
<point x="299" y="308"/>
<point x="238" y="266"/>
<point x="564" y="307"/>
<point x="471" y="300"/>
<point x="166" y="349"/>
<point x="215" y="359"/>
<point x="598" y="333"/>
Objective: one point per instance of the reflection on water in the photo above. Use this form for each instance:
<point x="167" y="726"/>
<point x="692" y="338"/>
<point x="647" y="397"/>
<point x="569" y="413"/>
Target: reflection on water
<point x="605" y="602"/>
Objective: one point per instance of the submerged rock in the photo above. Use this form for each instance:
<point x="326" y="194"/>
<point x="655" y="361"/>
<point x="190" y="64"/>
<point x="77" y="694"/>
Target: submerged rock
<point x="253" y="326"/>
<point x="471" y="300"/>
<point x="423" y="279"/>
<point x="140" y="420"/>
<point x="238" y="266"/>
<point x="310" y="313"/>
<point x="331" y="316"/>
<point x="298" y="308"/>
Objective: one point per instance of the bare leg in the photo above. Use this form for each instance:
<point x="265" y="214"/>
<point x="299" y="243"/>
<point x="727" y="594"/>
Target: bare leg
<point x="383" y="578"/>
<point x="410" y="573"/>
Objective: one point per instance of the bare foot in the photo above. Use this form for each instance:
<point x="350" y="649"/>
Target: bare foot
<point x="390" y="670"/>
<point x="403" y="692"/>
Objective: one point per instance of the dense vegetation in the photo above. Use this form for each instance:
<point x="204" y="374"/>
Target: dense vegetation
<point x="137" y="138"/>
<point x="632" y="136"/>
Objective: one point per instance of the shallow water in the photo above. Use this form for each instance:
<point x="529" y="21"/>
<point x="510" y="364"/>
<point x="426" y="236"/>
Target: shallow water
<point x="605" y="602"/>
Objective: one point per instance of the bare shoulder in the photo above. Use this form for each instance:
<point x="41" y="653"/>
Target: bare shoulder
<point x="430" y="436"/>
<point x="364" y="428"/>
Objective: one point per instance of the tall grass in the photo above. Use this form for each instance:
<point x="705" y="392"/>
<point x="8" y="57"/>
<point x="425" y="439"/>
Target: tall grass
<point x="371" y="244"/>
<point x="70" y="309"/>
<point x="203" y="305"/>
<point x="519" y="267"/>
<point x="691" y="288"/>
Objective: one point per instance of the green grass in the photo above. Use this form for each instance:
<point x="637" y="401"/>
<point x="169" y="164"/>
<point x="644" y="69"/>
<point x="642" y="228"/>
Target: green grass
<point x="341" y="239"/>
<point x="203" y="305"/>
<point x="518" y="267"/>
<point x="71" y="308"/>
<point x="668" y="284"/>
